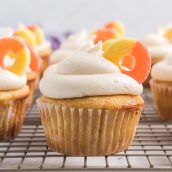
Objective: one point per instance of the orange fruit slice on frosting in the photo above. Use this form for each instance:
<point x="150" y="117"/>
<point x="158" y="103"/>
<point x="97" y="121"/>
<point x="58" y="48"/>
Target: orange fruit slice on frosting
<point x="19" y="52"/>
<point x="130" y="56"/>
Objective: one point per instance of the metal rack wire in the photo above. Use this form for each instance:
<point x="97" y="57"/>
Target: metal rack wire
<point x="151" y="149"/>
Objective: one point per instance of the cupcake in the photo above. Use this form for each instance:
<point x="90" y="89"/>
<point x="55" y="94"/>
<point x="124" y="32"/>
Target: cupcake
<point x="159" y="48"/>
<point x="111" y="30"/>
<point x="33" y="71"/>
<point x="73" y="43"/>
<point x="161" y="86"/>
<point x="43" y="46"/>
<point x="32" y="74"/>
<point x="13" y="89"/>
<point x="35" y="38"/>
<point x="89" y="107"/>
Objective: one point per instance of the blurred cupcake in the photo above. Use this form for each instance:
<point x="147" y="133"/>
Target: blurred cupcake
<point x="158" y="47"/>
<point x="32" y="74"/>
<point x="43" y="46"/>
<point x="33" y="71"/>
<point x="88" y="106"/>
<point x="161" y="86"/>
<point x="72" y="44"/>
<point x="13" y="89"/>
<point x="34" y="37"/>
<point x="111" y="30"/>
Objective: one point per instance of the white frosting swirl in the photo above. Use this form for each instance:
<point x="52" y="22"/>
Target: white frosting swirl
<point x="6" y="32"/>
<point x="70" y="45"/>
<point x="43" y="46"/>
<point x="86" y="73"/>
<point x="10" y="81"/>
<point x="162" y="71"/>
<point x="157" y="45"/>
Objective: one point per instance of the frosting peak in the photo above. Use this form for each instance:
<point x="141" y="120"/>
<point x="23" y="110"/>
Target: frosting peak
<point x="73" y="43"/>
<point x="162" y="70"/>
<point x="86" y="73"/>
<point x="10" y="81"/>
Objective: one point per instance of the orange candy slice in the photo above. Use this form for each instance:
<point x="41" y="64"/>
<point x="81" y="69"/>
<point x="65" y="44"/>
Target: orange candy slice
<point x="130" y="56"/>
<point x="117" y="26"/>
<point x="27" y="35"/>
<point x="168" y="34"/>
<point x="104" y="34"/>
<point x="21" y="52"/>
<point x="38" y="32"/>
<point x="34" y="65"/>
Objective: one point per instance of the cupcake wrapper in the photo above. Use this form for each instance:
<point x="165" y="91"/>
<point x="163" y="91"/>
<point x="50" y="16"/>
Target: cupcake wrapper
<point x="162" y="96"/>
<point x="89" y="132"/>
<point x="32" y="85"/>
<point x="11" y="118"/>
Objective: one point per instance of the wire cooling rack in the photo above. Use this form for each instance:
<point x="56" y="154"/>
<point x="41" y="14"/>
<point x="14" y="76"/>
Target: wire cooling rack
<point x="151" y="149"/>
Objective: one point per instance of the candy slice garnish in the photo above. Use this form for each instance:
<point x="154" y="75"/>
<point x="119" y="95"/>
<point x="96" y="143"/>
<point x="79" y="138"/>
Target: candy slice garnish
<point x="19" y="52"/>
<point x="105" y="34"/>
<point x="130" y="56"/>
<point x="38" y="32"/>
<point x="117" y="26"/>
<point x="168" y="34"/>
<point x="27" y="35"/>
<point x="34" y="65"/>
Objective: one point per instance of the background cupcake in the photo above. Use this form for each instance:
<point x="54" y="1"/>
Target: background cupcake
<point x="73" y="43"/>
<point x="161" y="85"/>
<point x="158" y="47"/>
<point x="88" y="106"/>
<point x="13" y="88"/>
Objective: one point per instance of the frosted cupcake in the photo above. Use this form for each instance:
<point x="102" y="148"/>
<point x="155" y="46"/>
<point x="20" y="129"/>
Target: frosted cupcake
<point x="13" y="89"/>
<point x="161" y="85"/>
<point x="88" y="106"/>
<point x="73" y="43"/>
<point x="34" y="70"/>
<point x="34" y="36"/>
<point x="43" y="46"/>
<point x="158" y="47"/>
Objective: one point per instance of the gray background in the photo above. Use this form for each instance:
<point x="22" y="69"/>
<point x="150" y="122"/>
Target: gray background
<point x="139" y="16"/>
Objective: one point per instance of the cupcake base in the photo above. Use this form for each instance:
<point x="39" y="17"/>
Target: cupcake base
<point x="92" y="126"/>
<point x="162" y="96"/>
<point x="12" y="108"/>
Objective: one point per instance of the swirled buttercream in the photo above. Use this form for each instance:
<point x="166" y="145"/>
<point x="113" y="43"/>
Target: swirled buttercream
<point x="162" y="71"/>
<point x="10" y="81"/>
<point x="157" y="45"/>
<point x="86" y="73"/>
<point x="70" y="45"/>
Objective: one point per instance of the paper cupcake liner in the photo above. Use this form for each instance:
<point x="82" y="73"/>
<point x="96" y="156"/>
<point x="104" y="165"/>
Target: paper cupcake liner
<point x="88" y="132"/>
<point x="162" y="96"/>
<point x="11" y="118"/>
<point x="32" y="85"/>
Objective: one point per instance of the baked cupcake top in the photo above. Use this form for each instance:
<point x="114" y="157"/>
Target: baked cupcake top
<point x="162" y="71"/>
<point x="12" y="76"/>
<point x="73" y="43"/>
<point x="86" y="73"/>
